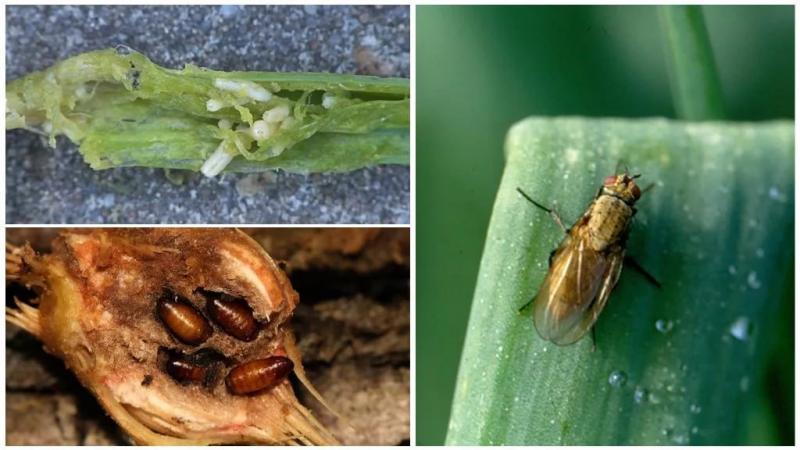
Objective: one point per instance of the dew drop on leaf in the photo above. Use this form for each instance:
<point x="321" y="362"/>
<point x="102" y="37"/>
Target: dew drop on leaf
<point x="617" y="378"/>
<point x="680" y="439"/>
<point x="744" y="384"/>
<point x="695" y="408"/>
<point x="753" y="281"/>
<point x="664" y="326"/>
<point x="653" y="398"/>
<point x="776" y="194"/>
<point x="640" y="395"/>
<point x="741" y="329"/>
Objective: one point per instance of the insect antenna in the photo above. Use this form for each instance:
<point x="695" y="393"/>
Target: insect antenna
<point x="620" y="164"/>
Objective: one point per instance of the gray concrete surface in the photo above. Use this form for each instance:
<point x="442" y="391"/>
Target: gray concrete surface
<point x="46" y="185"/>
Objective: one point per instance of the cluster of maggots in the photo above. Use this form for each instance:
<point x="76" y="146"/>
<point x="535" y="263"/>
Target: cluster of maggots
<point x="189" y="326"/>
<point x="273" y="120"/>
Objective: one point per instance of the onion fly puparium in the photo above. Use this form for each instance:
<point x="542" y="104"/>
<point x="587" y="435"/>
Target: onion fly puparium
<point x="586" y="265"/>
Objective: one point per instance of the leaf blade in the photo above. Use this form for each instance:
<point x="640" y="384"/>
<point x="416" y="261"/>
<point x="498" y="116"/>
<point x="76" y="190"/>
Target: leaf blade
<point x="513" y="388"/>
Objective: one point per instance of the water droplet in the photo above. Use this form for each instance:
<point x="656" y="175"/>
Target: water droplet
<point x="759" y="252"/>
<point x="640" y="395"/>
<point x="653" y="398"/>
<point x="741" y="329"/>
<point x="744" y="384"/>
<point x="732" y="270"/>
<point x="664" y="326"/>
<point x="776" y="194"/>
<point x="617" y="378"/>
<point x="753" y="281"/>
<point x="680" y="439"/>
<point x="123" y="50"/>
<point x="695" y="409"/>
<point x="695" y="430"/>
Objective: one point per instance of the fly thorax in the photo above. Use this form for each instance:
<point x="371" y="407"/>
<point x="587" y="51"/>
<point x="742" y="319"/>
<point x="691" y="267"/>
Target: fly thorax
<point x="608" y="221"/>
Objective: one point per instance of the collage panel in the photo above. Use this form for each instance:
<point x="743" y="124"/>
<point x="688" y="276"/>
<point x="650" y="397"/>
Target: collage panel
<point x="605" y="225"/>
<point x="171" y="336"/>
<point x="303" y="116"/>
<point x="209" y="234"/>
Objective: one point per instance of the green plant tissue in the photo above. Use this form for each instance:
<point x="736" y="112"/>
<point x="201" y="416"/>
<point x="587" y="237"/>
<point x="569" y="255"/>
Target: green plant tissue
<point x="676" y="365"/>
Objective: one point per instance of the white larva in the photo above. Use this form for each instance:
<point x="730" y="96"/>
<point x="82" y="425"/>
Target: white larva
<point x="260" y="130"/>
<point x="328" y="100"/>
<point x="248" y="88"/>
<point x="276" y="114"/>
<point x="217" y="162"/>
<point x="214" y="105"/>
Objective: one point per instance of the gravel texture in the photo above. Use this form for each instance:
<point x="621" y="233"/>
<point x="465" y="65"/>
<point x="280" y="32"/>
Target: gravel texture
<point x="47" y="185"/>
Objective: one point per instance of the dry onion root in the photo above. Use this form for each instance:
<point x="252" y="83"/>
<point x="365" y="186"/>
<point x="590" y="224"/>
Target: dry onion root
<point x="181" y="334"/>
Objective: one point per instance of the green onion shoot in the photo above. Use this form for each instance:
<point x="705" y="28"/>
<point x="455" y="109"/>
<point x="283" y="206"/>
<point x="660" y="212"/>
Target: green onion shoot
<point x="123" y="110"/>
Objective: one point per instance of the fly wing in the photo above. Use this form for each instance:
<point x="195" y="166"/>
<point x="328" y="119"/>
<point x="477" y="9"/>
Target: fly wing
<point x="574" y="281"/>
<point x="610" y="278"/>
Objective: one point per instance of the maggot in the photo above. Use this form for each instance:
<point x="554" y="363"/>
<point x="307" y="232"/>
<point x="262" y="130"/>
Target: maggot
<point x="258" y="375"/>
<point x="232" y="314"/>
<point x="182" y="320"/>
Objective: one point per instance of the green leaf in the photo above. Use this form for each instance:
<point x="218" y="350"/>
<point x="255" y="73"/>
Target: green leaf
<point x="133" y="135"/>
<point x="716" y="229"/>
<point x="124" y="110"/>
<point x="696" y="87"/>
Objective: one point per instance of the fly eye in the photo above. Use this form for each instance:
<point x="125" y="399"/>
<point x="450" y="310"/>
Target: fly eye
<point x="635" y="191"/>
<point x="610" y="180"/>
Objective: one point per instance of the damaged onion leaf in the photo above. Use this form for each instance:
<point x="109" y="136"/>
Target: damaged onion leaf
<point x="131" y="312"/>
<point x="124" y="110"/>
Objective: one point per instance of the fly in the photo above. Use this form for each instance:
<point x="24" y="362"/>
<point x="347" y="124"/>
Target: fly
<point x="587" y="263"/>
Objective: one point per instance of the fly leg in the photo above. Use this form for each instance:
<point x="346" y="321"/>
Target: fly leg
<point x="526" y="308"/>
<point x="642" y="271"/>
<point x="552" y="212"/>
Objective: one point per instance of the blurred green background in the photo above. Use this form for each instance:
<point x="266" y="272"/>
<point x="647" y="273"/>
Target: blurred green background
<point x="480" y="69"/>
